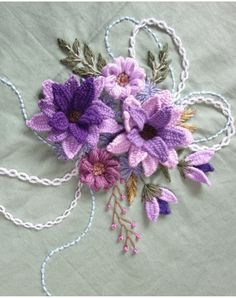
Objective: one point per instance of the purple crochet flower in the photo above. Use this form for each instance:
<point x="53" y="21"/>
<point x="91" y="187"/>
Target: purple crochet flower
<point x="152" y="133"/>
<point x="159" y="205"/>
<point x="197" y="164"/>
<point x="123" y="77"/>
<point x="72" y="114"/>
<point x="99" y="170"/>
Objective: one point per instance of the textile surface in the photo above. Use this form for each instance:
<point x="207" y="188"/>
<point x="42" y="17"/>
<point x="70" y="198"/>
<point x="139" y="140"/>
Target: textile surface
<point x="191" y="252"/>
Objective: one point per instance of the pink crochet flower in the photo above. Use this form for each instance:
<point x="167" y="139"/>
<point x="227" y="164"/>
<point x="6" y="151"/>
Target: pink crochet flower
<point x="123" y="77"/>
<point x="152" y="133"/>
<point x="99" y="170"/>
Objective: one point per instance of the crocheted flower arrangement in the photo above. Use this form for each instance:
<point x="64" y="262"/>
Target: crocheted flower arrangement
<point x="123" y="128"/>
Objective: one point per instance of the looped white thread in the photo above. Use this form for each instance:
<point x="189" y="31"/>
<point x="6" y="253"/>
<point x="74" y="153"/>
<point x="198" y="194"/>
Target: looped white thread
<point x="48" y="224"/>
<point x="177" y="42"/>
<point x="65" y="246"/>
<point x="226" y="111"/>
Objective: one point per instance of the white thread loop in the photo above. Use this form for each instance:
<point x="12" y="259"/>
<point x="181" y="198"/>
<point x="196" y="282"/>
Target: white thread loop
<point x="48" y="224"/>
<point x="177" y="42"/>
<point x="226" y="111"/>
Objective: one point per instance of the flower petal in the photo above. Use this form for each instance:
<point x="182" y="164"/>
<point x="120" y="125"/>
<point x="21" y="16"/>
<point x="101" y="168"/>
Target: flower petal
<point x="164" y="207"/>
<point x="172" y="160"/>
<point x="103" y="109"/>
<point x="99" y="83"/>
<point x="57" y="136"/>
<point x="46" y="107"/>
<point x="79" y="133"/>
<point x="200" y="157"/>
<point x="135" y="138"/>
<point x="47" y="90"/>
<point x="151" y="105"/>
<point x="59" y="122"/>
<point x="156" y="147"/>
<point x="161" y="118"/>
<point x="150" y="165"/>
<point x="71" y="84"/>
<point x="61" y="97"/>
<point x="93" y="136"/>
<point x="152" y="209"/>
<point x="119" y="145"/>
<point x="175" y="137"/>
<point x="84" y="95"/>
<point x="206" y="167"/>
<point x="136" y="155"/>
<point x="196" y="175"/>
<point x="71" y="147"/>
<point x="39" y="122"/>
<point x="91" y="116"/>
<point x="110" y="126"/>
<point x="167" y="195"/>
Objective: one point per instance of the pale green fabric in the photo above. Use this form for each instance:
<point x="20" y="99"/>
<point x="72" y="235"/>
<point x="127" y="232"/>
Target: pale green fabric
<point x="191" y="252"/>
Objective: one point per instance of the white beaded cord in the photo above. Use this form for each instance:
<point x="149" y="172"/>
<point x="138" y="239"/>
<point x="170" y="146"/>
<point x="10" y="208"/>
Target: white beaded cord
<point x="177" y="42"/>
<point x="65" y="246"/>
<point x="48" y="224"/>
<point x="230" y="131"/>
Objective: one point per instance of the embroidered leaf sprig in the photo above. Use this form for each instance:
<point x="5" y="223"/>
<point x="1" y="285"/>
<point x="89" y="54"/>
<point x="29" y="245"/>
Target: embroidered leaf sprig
<point x="159" y="69"/>
<point x="131" y="188"/>
<point x="121" y="222"/>
<point x="81" y="60"/>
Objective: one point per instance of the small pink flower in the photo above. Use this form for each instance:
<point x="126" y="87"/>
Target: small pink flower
<point x="120" y="237"/>
<point x="125" y="248"/>
<point x="133" y="225"/>
<point x="123" y="211"/>
<point x="99" y="170"/>
<point x="122" y="197"/>
<point x="138" y="236"/>
<point x="135" y="251"/>
<point x="123" y="77"/>
<point x="113" y="226"/>
<point x="108" y="206"/>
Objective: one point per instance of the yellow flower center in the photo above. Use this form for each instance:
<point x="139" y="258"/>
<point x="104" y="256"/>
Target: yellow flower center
<point x="98" y="169"/>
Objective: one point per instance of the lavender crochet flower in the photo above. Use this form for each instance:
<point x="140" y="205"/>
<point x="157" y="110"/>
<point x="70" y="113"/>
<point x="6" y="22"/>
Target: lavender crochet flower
<point x="72" y="114"/>
<point x="152" y="132"/>
<point x="123" y="77"/>
<point x="159" y="204"/>
<point x="197" y="164"/>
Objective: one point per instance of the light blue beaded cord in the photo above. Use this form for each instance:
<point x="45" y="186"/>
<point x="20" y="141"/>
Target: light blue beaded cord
<point x="67" y="245"/>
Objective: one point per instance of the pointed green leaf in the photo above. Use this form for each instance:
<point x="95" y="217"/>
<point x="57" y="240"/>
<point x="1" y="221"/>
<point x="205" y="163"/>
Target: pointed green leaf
<point x="76" y="46"/>
<point x="88" y="54"/>
<point x="101" y="62"/>
<point x="64" y="46"/>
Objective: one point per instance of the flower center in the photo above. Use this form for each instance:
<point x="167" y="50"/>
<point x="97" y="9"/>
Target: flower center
<point x="148" y="132"/>
<point x="74" y="116"/>
<point x="122" y="79"/>
<point x="98" y="169"/>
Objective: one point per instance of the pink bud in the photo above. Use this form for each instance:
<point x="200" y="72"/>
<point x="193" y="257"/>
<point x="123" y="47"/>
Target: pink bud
<point x="122" y="197"/>
<point x="122" y="180"/>
<point x="113" y="226"/>
<point x="108" y="206"/>
<point x="133" y="225"/>
<point x="125" y="248"/>
<point x="120" y="237"/>
<point x="135" y="251"/>
<point x="138" y="236"/>
<point x="124" y="210"/>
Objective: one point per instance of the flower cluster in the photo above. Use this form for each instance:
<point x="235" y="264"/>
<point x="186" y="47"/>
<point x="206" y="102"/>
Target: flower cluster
<point x="130" y="128"/>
